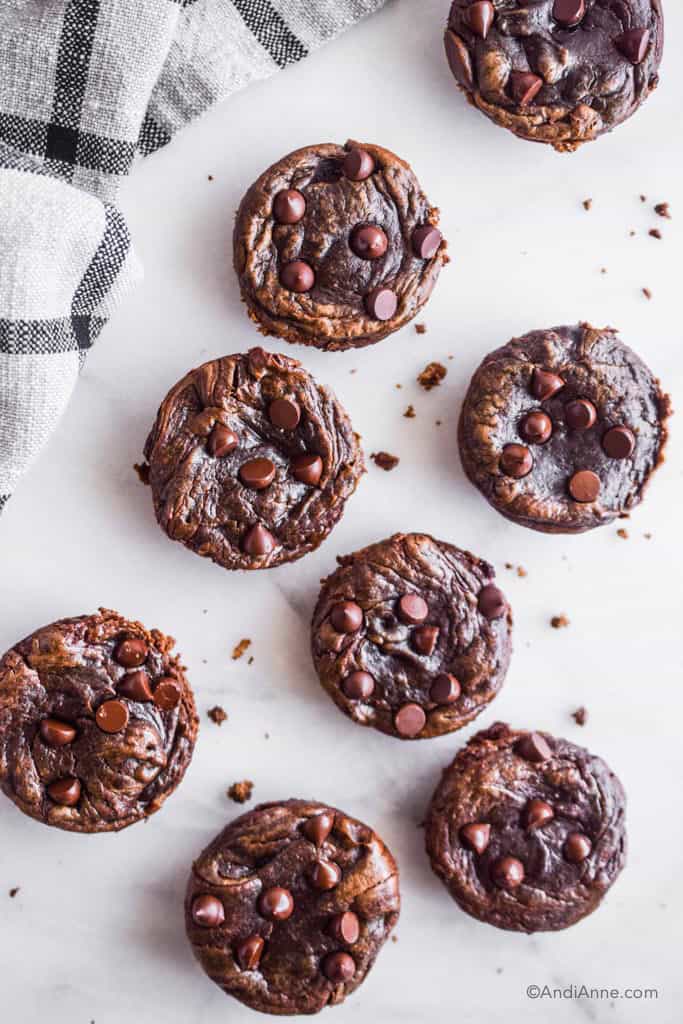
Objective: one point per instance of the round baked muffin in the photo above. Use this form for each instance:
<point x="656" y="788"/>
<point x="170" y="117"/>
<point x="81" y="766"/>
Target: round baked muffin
<point x="556" y="71"/>
<point x="526" y="831"/>
<point x="337" y="246"/>
<point x="97" y="722"/>
<point x="412" y="636"/>
<point x="562" y="429"/>
<point x="289" y="906"/>
<point x="251" y="461"/>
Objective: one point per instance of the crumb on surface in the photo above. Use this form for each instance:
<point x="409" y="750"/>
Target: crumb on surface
<point x="603" y="270"/>
<point x="647" y="293"/>
<point x="210" y="177"/>
<point x="217" y="714"/>
<point x="663" y="210"/>
<point x="643" y="199"/>
<point x="240" y="792"/>
<point x="631" y="233"/>
<point x="587" y="203"/>
<point x="420" y="328"/>
<point x="622" y="533"/>
<point x="410" y="413"/>
<point x="239" y="649"/>
<point x="647" y="536"/>
<point x="521" y="571"/>
<point x="394" y="938"/>
<point x="142" y="470"/>
<point x="250" y="660"/>
<point x="385" y="460"/>
<point x="655" y="233"/>
<point x="13" y="892"/>
<point x="431" y="376"/>
<point x="580" y="716"/>
<point x="559" y="622"/>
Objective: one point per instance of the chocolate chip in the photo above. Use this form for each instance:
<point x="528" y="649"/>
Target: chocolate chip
<point x="580" y="414"/>
<point x="537" y="813"/>
<point x="381" y="303"/>
<point x="207" y="911"/>
<point x="508" y="873"/>
<point x="426" y="241"/>
<point x="131" y="653"/>
<point x="424" y="639"/>
<point x="297" y="276"/>
<point x="167" y="693"/>
<point x="307" y="469"/>
<point x="412" y="609"/>
<point x="55" y="733"/>
<point x="445" y="689"/>
<point x="325" y="875"/>
<point x="66" y="792"/>
<point x="346" y="617"/>
<point x="221" y="441"/>
<point x="633" y="44"/>
<point x="112" y="716"/>
<point x="257" y="474"/>
<point x="476" y="836"/>
<point x="491" y="603"/>
<point x="358" y="165"/>
<point x="619" y="442"/>
<point x="249" y="953"/>
<point x="480" y="17"/>
<point x="516" y="461"/>
<point x="318" y="828"/>
<point x="289" y="206"/>
<point x="345" y="927"/>
<point x="545" y="384"/>
<point x="577" y="847"/>
<point x="584" y="486"/>
<point x="135" y="686"/>
<point x="569" y="12"/>
<point x="358" y="686"/>
<point x="276" y="904"/>
<point x="369" y="242"/>
<point x="533" y="747"/>
<point x="284" y="413"/>
<point x="536" y="428"/>
<point x="459" y="59"/>
<point x="258" y="541"/>
<point x="524" y="86"/>
<point x="339" y="967"/>
<point x="409" y="720"/>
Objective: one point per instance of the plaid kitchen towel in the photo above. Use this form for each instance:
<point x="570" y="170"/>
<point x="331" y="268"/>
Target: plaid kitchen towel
<point x="85" y="85"/>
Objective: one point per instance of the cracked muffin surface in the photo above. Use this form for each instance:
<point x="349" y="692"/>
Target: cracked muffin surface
<point x="97" y="722"/>
<point x="562" y="429"/>
<point x="251" y="461"/>
<point x="289" y="906"/>
<point x="337" y="246"/>
<point x="556" y="71"/>
<point x="411" y="636"/>
<point x="527" y="831"/>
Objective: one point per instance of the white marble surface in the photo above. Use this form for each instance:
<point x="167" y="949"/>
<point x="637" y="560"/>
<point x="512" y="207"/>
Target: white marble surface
<point x="96" y="930"/>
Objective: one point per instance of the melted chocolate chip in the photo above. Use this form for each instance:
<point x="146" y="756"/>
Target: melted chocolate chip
<point x="276" y="903"/>
<point x="289" y="206"/>
<point x="55" y="733"/>
<point x="358" y="686"/>
<point x="409" y="720"/>
<point x="347" y="617"/>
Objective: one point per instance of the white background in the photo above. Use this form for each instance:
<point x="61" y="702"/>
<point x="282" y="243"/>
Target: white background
<point x="96" y="932"/>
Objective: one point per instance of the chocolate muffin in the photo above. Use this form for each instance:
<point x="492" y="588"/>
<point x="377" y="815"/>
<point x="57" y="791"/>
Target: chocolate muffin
<point x="527" y="831"/>
<point x="556" y="71"/>
<point x="337" y="246"/>
<point x="251" y="461"/>
<point x="97" y="723"/>
<point x="289" y="906"/>
<point x="411" y="636"/>
<point x="562" y="429"/>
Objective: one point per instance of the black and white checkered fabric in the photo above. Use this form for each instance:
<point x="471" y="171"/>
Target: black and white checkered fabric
<point x="86" y="85"/>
